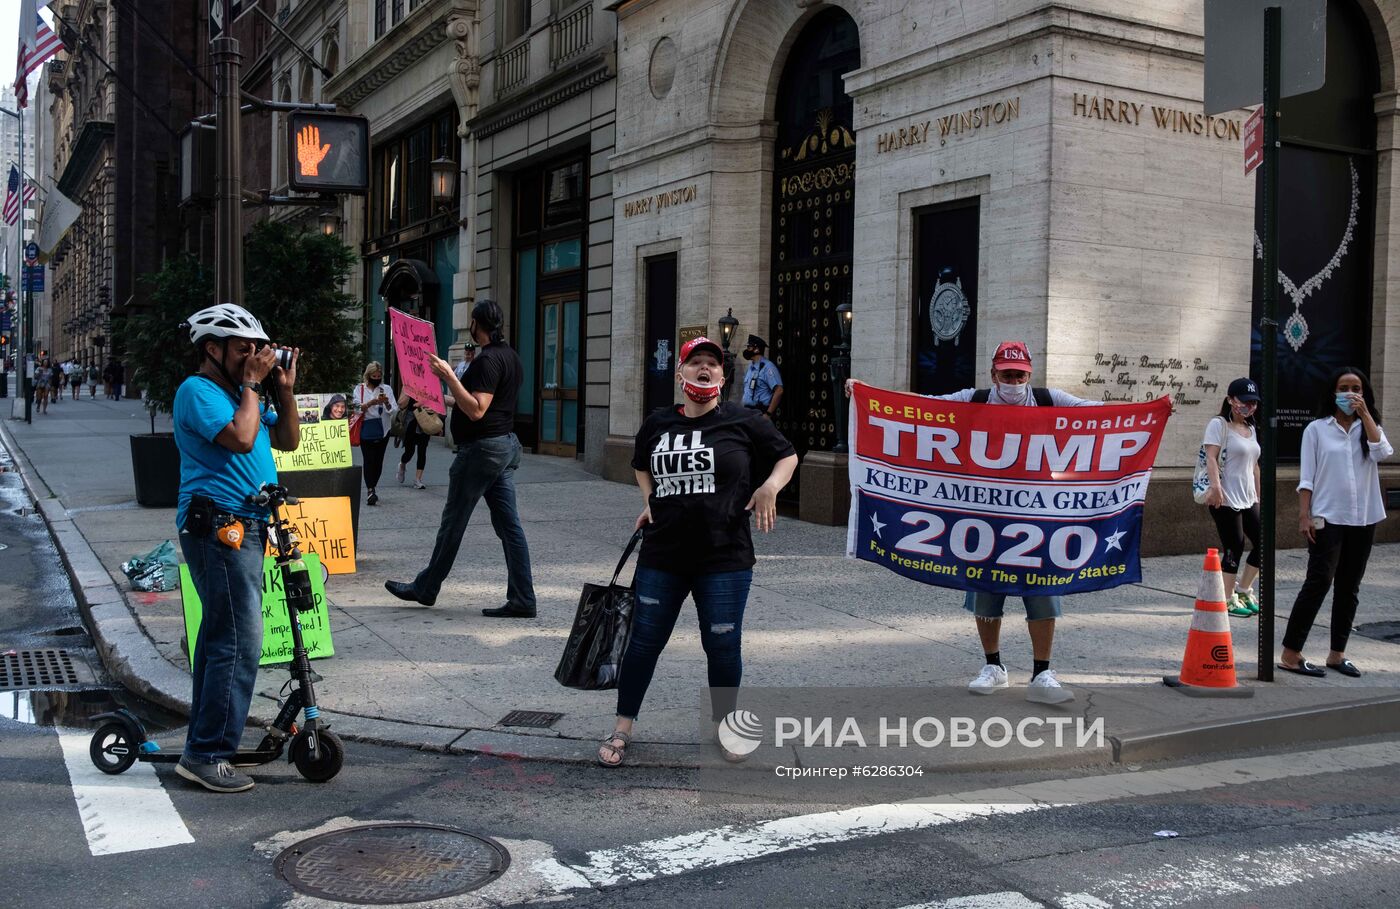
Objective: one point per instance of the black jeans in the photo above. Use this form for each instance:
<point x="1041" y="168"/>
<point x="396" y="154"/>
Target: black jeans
<point x="484" y="469"/>
<point x="1336" y="559"/>
<point x="374" y="460"/>
<point x="1234" y="526"/>
<point x="415" y="437"/>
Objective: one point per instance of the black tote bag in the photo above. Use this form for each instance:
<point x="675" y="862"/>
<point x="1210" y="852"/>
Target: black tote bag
<point x="602" y="626"/>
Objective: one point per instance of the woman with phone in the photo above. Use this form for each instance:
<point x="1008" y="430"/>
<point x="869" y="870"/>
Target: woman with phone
<point x="1339" y="506"/>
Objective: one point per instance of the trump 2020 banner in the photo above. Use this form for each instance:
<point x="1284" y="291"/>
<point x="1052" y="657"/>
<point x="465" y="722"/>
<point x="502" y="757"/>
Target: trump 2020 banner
<point x="1000" y="499"/>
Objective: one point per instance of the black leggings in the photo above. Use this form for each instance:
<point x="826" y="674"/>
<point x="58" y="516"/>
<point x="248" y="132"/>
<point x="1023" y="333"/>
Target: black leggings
<point x="1339" y="553"/>
<point x="1233" y="526"/>
<point x="374" y="460"/>
<point x="413" y="437"/>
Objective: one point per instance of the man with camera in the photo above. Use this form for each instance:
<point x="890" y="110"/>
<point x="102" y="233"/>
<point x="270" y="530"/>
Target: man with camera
<point x="488" y="453"/>
<point x="225" y="432"/>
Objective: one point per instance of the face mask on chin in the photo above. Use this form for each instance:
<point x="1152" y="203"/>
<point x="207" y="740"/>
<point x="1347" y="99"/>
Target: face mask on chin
<point x="701" y="393"/>
<point x="1012" y="394"/>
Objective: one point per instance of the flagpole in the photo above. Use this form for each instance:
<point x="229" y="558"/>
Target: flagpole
<point x="26" y="325"/>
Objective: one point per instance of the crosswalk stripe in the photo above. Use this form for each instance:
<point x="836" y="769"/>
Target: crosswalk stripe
<point x="125" y="813"/>
<point x="1006" y="900"/>
<point x="736" y="843"/>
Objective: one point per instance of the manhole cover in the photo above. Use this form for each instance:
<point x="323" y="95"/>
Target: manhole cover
<point x="1381" y="631"/>
<point x="382" y="864"/>
<point x="534" y="719"/>
<point x="36" y="669"/>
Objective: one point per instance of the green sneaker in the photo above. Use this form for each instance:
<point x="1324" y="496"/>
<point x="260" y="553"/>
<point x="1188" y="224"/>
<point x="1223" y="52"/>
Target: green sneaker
<point x="1251" y="601"/>
<point x="1237" y="607"/>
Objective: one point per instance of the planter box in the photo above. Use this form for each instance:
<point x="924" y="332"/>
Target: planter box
<point x="328" y="483"/>
<point x="155" y="466"/>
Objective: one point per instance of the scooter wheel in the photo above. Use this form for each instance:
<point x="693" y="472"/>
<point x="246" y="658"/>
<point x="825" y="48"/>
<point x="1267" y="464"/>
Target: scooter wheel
<point x="330" y="755"/>
<point x="112" y="750"/>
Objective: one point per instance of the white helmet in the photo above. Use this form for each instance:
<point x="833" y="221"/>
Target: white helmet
<point x="225" y="320"/>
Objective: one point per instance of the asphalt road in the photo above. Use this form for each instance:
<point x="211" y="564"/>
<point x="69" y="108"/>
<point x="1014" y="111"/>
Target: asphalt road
<point x="1317" y="827"/>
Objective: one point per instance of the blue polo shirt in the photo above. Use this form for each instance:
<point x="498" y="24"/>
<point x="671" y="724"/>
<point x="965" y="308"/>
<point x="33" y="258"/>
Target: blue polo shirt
<point x="202" y="410"/>
<point x="761" y="379"/>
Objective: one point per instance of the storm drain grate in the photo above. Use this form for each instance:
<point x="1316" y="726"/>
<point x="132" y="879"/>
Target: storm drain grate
<point x="1380" y="631"/>
<point x="383" y="864"/>
<point x="534" y="719"/>
<point x="36" y="669"/>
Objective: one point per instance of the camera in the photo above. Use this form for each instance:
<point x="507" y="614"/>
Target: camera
<point x="284" y="358"/>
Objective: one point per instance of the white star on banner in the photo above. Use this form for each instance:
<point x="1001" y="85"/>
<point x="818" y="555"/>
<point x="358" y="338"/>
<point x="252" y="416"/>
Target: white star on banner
<point x="875" y="522"/>
<point x="1113" y="541"/>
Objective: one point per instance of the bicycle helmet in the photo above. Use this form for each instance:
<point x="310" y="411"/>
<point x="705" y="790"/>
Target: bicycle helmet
<point x="225" y="320"/>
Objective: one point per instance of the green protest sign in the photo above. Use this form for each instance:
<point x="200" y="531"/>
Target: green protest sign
<point x="277" y="634"/>
<point x="324" y="444"/>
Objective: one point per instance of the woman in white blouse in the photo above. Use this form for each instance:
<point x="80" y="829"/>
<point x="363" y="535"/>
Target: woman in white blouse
<point x="1233" y="496"/>
<point x="1339" y="506"/>
<point x="374" y="401"/>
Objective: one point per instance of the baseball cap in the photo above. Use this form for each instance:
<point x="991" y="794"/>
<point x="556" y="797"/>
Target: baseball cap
<point x="1012" y="355"/>
<point x="1244" y="389"/>
<point x="701" y="343"/>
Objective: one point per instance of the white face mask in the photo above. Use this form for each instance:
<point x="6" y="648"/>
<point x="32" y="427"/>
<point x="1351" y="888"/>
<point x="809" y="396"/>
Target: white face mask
<point x="1012" y="394"/>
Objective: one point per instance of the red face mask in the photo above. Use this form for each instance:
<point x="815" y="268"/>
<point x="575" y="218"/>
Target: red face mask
<point x="700" y="393"/>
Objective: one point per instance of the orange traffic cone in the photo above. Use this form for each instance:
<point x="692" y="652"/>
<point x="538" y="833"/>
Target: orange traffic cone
<point x="1208" y="668"/>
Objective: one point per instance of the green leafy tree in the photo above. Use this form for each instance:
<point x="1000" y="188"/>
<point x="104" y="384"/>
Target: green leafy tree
<point x="157" y="351"/>
<point x="292" y="282"/>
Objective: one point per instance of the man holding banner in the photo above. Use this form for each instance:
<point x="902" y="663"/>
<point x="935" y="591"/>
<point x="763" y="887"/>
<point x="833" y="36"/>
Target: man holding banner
<point x="488" y="453"/>
<point x="1030" y="504"/>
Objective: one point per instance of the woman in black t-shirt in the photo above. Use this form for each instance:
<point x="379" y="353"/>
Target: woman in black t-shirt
<point x="699" y="466"/>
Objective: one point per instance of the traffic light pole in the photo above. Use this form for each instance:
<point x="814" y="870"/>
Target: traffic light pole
<point x="228" y="177"/>
<point x="26" y="299"/>
<point x="1268" y="342"/>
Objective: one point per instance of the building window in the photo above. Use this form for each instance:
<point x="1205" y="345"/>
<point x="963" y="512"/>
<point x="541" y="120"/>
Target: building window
<point x="308" y="85"/>
<point x="564" y="194"/>
<point x="389" y="13"/>
<point x="515" y="19"/>
<point x="401" y="194"/>
<point x="380" y="23"/>
<point x="332" y="61"/>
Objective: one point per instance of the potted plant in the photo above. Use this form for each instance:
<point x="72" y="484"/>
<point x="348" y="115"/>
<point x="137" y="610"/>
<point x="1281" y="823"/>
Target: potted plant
<point x="159" y="356"/>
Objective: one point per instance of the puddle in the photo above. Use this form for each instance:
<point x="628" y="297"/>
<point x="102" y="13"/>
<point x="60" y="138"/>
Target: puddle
<point x="73" y="709"/>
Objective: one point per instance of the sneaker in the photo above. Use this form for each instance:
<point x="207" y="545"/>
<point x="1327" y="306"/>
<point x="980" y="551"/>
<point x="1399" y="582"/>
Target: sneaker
<point x="216" y="777"/>
<point x="990" y="679"/>
<point x="373" y="499"/>
<point x="1238" y="607"/>
<point x="1045" y="689"/>
<point x="418" y="485"/>
<point x="1251" y="601"/>
<point x="399" y="473"/>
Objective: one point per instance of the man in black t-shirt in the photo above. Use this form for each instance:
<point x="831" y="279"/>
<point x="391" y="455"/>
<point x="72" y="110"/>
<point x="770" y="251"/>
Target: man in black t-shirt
<point x="488" y="453"/>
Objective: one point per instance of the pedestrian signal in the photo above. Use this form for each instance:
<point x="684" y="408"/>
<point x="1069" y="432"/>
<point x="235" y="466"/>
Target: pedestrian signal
<point x="329" y="153"/>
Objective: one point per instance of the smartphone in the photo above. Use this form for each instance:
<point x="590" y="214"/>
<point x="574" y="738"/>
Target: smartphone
<point x="1318" y="523"/>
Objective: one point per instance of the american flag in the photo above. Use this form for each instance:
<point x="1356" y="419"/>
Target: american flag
<point x="13" y="202"/>
<point x="37" y="43"/>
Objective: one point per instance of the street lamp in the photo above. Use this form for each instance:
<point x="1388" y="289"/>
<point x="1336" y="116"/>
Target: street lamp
<point x="841" y="371"/>
<point x="330" y="224"/>
<point x="444" y="177"/>
<point x="728" y="325"/>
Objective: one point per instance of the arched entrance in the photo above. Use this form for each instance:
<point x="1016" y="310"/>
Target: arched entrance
<point x="410" y="286"/>
<point x="813" y="223"/>
<point x="1327" y="191"/>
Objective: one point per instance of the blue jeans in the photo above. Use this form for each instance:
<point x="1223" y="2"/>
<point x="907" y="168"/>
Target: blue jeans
<point x="229" y="645"/>
<point x="719" y="603"/>
<point x="483" y="469"/>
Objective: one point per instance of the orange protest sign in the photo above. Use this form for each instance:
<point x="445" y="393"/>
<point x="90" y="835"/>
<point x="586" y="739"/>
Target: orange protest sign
<point x="324" y="527"/>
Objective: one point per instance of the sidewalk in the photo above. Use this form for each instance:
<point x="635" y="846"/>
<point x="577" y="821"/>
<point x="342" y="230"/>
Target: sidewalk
<point x="443" y="677"/>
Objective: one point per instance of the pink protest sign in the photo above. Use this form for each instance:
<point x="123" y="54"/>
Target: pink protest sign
<point x="414" y="344"/>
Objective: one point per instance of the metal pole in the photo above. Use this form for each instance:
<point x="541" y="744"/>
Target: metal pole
<point x="1268" y="343"/>
<point x="228" y="178"/>
<point x="26" y="301"/>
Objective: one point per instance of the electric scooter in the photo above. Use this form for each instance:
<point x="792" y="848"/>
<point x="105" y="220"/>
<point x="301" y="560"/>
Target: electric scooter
<point x="316" y="751"/>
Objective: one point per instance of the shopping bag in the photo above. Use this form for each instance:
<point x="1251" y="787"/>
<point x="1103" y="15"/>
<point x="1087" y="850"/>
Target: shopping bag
<point x="157" y="570"/>
<point x="357" y="422"/>
<point x="602" y="626"/>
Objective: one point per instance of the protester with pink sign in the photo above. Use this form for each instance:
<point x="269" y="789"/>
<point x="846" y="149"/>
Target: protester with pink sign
<point x="415" y="343"/>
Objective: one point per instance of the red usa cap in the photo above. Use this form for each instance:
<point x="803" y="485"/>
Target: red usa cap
<point x="1012" y="355"/>
<point x="701" y="343"/>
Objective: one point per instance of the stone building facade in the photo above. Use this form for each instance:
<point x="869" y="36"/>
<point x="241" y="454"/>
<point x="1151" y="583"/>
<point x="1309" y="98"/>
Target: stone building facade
<point x="544" y="136"/>
<point x="1050" y="163"/>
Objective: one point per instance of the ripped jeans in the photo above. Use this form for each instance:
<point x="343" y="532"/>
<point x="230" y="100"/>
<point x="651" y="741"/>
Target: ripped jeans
<point x="719" y="602"/>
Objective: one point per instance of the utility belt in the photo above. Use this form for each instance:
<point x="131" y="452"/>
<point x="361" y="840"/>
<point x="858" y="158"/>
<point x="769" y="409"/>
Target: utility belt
<point x="204" y="517"/>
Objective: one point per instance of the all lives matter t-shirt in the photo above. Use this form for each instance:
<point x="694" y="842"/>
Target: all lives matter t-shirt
<point x="704" y="470"/>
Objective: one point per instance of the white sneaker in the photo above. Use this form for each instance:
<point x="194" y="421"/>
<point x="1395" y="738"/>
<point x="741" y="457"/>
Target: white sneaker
<point x="990" y="679"/>
<point x="1045" y="689"/>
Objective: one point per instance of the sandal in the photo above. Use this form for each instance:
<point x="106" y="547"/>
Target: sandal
<point x="618" y="751"/>
<point x="1346" y="668"/>
<point x="1305" y="668"/>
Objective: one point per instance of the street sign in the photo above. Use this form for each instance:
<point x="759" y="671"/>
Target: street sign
<point x="31" y="253"/>
<point x="330" y="153"/>
<point x="221" y="13"/>
<point x="1253" y="141"/>
<point x="34" y="278"/>
<point x="1235" y="51"/>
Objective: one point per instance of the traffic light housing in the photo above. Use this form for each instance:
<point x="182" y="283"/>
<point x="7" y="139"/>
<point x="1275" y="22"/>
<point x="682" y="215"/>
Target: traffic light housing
<point x="327" y="153"/>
